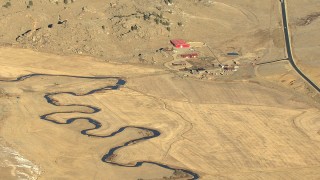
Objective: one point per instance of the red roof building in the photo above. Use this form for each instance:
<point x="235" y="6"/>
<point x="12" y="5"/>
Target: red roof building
<point x="191" y="55"/>
<point x="179" y="43"/>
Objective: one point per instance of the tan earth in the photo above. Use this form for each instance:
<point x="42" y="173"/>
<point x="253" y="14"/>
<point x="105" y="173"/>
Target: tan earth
<point x="261" y="122"/>
<point x="305" y="23"/>
<point x="216" y="129"/>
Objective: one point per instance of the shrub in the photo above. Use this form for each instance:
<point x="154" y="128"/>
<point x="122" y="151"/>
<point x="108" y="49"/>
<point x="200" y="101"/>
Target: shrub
<point x="7" y="5"/>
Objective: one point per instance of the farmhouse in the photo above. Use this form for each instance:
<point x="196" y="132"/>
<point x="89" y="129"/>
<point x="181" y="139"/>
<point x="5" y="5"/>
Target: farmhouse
<point x="179" y="43"/>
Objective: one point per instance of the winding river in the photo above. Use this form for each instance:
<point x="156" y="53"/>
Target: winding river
<point x="108" y="157"/>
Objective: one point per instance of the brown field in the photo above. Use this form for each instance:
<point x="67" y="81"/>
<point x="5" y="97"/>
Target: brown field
<point x="216" y="129"/>
<point x="261" y="122"/>
<point x="305" y="23"/>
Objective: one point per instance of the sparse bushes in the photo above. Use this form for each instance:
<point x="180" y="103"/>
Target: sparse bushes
<point x="7" y="5"/>
<point x="165" y="23"/>
<point x="146" y="17"/>
<point x="168" y="1"/>
<point x="30" y="4"/>
<point x="135" y="27"/>
<point x="68" y="1"/>
<point x="157" y="20"/>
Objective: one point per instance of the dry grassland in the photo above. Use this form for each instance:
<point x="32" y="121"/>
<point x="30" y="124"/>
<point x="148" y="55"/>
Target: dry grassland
<point x="305" y="23"/>
<point x="237" y="130"/>
<point x="260" y="123"/>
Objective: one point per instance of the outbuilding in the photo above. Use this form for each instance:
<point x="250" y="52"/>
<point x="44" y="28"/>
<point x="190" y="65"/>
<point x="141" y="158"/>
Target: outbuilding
<point x="179" y="63"/>
<point x="179" y="43"/>
<point x="189" y="56"/>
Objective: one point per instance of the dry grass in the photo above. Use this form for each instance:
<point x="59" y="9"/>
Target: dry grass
<point x="216" y="129"/>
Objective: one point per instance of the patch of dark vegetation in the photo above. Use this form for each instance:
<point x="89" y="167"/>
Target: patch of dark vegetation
<point x="30" y="4"/>
<point x="7" y="4"/>
<point x="68" y="1"/>
<point x="158" y="18"/>
<point x="123" y="23"/>
<point x="308" y="19"/>
<point x="168" y="2"/>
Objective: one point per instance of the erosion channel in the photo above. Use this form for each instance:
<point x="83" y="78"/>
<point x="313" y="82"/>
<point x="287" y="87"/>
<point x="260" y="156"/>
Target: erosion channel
<point x="108" y="157"/>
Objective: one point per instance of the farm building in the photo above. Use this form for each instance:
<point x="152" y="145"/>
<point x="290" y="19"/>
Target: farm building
<point x="230" y="68"/>
<point x="233" y="54"/>
<point x="180" y="63"/>
<point x="189" y="55"/>
<point x="179" y="43"/>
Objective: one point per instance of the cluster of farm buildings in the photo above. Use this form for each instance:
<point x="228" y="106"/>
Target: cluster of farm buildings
<point x="186" y="58"/>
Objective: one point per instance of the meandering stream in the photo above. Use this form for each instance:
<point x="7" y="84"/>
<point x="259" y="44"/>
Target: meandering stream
<point x="109" y="156"/>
